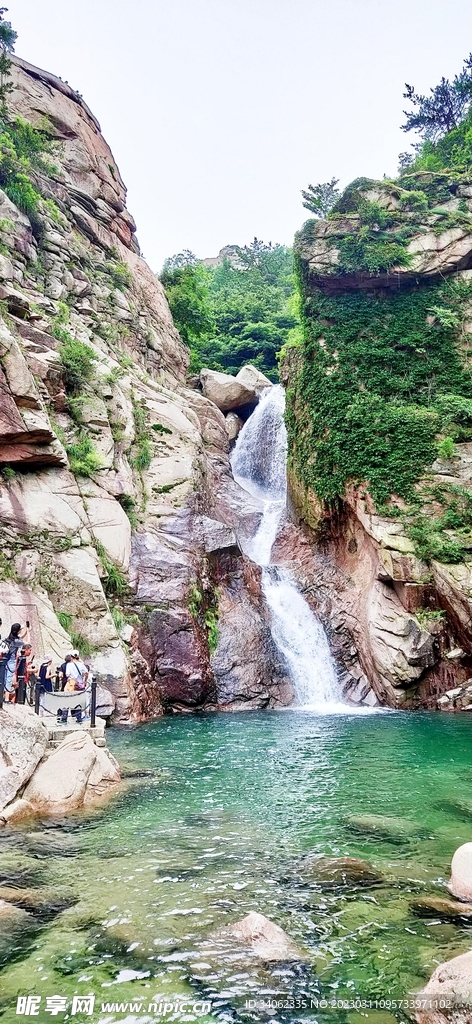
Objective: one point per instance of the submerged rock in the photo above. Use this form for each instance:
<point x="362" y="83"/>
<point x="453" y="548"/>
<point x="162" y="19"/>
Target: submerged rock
<point x="331" y="872"/>
<point x="265" y="939"/>
<point x="440" y="906"/>
<point x="460" y="884"/>
<point x="448" y="994"/>
<point x="383" y="827"/>
<point x="44" y="901"/>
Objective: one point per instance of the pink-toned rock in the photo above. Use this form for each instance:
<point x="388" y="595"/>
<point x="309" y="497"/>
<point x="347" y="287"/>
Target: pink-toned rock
<point x="265" y="939"/>
<point x="75" y="774"/>
<point x="461" y="873"/>
<point x="447" y="998"/>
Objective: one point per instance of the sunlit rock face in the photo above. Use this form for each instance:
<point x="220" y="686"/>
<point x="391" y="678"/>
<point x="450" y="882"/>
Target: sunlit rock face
<point x="105" y="492"/>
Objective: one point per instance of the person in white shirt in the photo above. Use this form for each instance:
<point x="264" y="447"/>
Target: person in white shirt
<point x="76" y="673"/>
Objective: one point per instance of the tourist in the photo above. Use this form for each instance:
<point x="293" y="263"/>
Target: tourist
<point x="15" y="643"/>
<point x="63" y="671"/>
<point x="77" y="674"/>
<point x="45" y="675"/>
<point x="24" y="669"/>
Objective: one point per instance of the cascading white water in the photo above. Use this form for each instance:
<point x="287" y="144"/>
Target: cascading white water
<point x="259" y="465"/>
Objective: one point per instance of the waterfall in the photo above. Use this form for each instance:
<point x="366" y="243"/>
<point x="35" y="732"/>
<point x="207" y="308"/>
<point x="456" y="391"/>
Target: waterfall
<point x="259" y="466"/>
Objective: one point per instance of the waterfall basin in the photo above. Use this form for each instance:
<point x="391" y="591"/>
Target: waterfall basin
<point x="240" y="808"/>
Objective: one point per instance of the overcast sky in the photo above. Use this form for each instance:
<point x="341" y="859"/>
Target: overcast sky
<point x="219" y="111"/>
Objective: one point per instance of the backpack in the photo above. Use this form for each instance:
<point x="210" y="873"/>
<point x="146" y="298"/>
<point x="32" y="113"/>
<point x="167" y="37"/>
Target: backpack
<point x="4" y="649"/>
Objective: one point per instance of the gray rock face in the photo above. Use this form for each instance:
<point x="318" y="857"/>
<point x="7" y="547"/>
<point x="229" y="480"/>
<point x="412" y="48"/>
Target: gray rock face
<point x="23" y="741"/>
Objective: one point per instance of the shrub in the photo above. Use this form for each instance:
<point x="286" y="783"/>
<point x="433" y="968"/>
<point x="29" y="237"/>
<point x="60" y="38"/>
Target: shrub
<point x="65" y="620"/>
<point x="77" y="360"/>
<point x="211" y="623"/>
<point x="83" y="459"/>
<point x="120" y="274"/>
<point x="143" y="456"/>
<point x="114" y="582"/>
<point x="128" y="505"/>
<point x="446" y="448"/>
<point x="431" y="544"/>
<point x="82" y="644"/>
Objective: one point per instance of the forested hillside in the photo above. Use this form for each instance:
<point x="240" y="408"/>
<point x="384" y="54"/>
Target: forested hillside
<point x="240" y="311"/>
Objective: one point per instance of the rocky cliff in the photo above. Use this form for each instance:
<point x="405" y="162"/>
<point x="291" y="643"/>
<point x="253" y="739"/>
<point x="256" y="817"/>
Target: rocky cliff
<point x="380" y="429"/>
<point x="117" y="507"/>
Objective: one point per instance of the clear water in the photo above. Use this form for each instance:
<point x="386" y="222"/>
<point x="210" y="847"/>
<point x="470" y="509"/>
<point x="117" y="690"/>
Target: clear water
<point x="243" y="800"/>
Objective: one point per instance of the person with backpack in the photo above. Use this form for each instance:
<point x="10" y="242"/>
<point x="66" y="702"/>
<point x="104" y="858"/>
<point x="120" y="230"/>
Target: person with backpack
<point x="15" y="643"/>
<point x="77" y="674"/>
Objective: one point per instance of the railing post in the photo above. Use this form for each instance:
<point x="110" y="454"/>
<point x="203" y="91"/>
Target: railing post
<point x="93" y="703"/>
<point x="37" y="693"/>
<point x="21" y="681"/>
<point x="3" y="666"/>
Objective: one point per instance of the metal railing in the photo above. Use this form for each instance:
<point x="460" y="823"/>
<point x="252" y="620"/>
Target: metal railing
<point x="22" y="696"/>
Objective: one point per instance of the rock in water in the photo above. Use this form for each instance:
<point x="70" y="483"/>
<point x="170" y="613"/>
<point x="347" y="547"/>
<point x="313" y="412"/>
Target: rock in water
<point x="266" y="940"/>
<point x="461" y="873"/>
<point x="74" y="775"/>
<point x="438" y="906"/>
<point x="23" y="740"/>
<point x="395" y="830"/>
<point x="331" y="872"/>
<point x="450" y="986"/>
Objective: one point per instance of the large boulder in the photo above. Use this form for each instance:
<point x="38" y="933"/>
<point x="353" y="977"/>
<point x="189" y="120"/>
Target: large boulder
<point x="447" y="997"/>
<point x="461" y="873"/>
<point x="264" y="938"/>
<point x="75" y="774"/>
<point x="225" y="391"/>
<point x="23" y="741"/>
<point x="253" y="379"/>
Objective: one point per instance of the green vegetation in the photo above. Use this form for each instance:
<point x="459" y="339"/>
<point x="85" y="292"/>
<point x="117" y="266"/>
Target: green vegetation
<point x="81" y="644"/>
<point x="380" y="378"/>
<point x="142" y="451"/>
<point x="203" y="607"/>
<point x="128" y="505"/>
<point x="7" y="571"/>
<point x="444" y="122"/>
<point x="8" y="38"/>
<point x="114" y="582"/>
<point x="65" y="620"/>
<point x="120" y="274"/>
<point x="160" y="428"/>
<point x="320" y="199"/>
<point x="118" y="618"/>
<point x="83" y="459"/>
<point x="211" y="623"/>
<point x="77" y="361"/>
<point x="428" y="618"/>
<point x="241" y="311"/>
<point x="194" y="600"/>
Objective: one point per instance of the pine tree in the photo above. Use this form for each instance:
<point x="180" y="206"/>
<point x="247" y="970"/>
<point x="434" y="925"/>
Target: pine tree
<point x="320" y="199"/>
<point x="8" y="38"/>
<point x="445" y="107"/>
